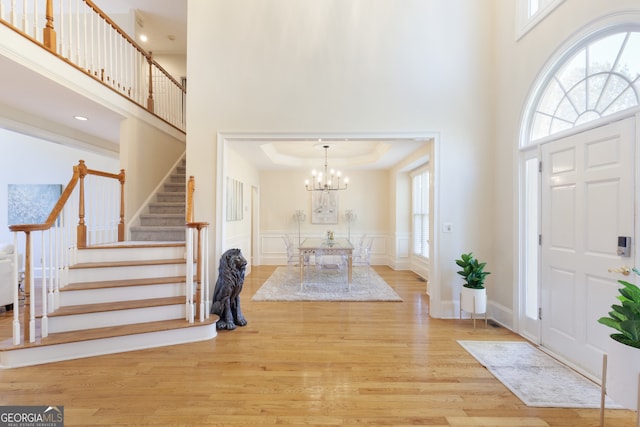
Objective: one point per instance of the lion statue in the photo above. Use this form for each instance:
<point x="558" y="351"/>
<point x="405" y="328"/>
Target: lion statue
<point x="226" y="296"/>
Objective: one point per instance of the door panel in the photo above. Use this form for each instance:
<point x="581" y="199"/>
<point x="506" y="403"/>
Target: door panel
<point x="587" y="201"/>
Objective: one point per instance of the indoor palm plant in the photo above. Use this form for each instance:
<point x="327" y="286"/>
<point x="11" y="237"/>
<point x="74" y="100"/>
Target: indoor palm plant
<point x="473" y="298"/>
<point x="625" y="317"/>
<point x="623" y="364"/>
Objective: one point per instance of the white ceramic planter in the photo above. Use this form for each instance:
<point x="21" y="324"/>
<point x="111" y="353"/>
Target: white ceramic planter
<point x="473" y="300"/>
<point x="623" y="368"/>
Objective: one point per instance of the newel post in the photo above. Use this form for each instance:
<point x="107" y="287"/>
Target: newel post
<point x="150" y="98"/>
<point x="190" y="190"/>
<point x="26" y="313"/>
<point x="49" y="33"/>
<point x="82" y="227"/>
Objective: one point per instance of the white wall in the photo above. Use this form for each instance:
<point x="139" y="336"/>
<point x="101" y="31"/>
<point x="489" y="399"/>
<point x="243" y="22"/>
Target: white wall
<point x="518" y="65"/>
<point x="283" y="192"/>
<point x="146" y="154"/>
<point x="238" y="234"/>
<point x="352" y="66"/>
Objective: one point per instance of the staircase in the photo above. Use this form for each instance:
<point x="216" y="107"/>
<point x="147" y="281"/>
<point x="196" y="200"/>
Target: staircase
<point x="141" y="305"/>
<point x="164" y="219"/>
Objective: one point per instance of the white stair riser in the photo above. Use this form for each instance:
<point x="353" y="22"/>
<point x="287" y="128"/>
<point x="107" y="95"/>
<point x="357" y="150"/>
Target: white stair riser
<point x="124" y="293"/>
<point x="124" y="273"/>
<point x="77" y="350"/>
<point x="78" y="322"/>
<point x="129" y="254"/>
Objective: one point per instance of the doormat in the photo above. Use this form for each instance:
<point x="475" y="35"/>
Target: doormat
<point x="535" y="377"/>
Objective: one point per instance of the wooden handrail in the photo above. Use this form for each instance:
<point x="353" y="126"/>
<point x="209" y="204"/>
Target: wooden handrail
<point x="55" y="212"/>
<point x="79" y="173"/>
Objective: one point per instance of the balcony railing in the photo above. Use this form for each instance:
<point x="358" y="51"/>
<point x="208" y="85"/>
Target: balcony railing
<point x="78" y="32"/>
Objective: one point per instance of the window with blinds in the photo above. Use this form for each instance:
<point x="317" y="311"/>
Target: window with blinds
<point x="420" y="211"/>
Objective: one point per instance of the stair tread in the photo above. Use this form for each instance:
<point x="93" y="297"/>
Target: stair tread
<point x="128" y="263"/>
<point x="122" y="283"/>
<point x="172" y="227"/>
<point x="115" y="306"/>
<point x="134" y="245"/>
<point x="108" y="332"/>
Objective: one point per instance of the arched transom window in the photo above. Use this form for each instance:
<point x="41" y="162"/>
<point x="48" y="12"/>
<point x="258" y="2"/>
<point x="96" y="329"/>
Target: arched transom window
<point x="597" y="80"/>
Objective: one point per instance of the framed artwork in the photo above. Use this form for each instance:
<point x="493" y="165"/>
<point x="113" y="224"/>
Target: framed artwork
<point x="324" y="207"/>
<point x="31" y="203"/>
<point x="234" y="199"/>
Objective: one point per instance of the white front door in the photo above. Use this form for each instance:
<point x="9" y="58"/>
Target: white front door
<point x="587" y="201"/>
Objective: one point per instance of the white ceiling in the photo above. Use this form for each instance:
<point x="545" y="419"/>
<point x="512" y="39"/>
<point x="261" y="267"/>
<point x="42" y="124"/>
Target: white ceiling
<point x="164" y="22"/>
<point x="343" y="153"/>
<point x="53" y="106"/>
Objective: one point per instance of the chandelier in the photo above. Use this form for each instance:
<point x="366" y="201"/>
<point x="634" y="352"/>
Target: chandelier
<point x="330" y="180"/>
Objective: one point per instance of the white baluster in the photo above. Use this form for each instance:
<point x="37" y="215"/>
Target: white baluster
<point x="44" y="322"/>
<point x="189" y="276"/>
<point x="76" y="18"/>
<point x="13" y="13"/>
<point x="36" y="33"/>
<point x="55" y="273"/>
<point x="24" y="16"/>
<point x="202" y="282"/>
<point x="61" y="32"/>
<point x="16" y="294"/>
<point x="205" y="260"/>
<point x="31" y="293"/>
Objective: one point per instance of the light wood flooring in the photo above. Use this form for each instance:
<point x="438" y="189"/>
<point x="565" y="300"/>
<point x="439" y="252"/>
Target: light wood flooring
<point x="307" y="363"/>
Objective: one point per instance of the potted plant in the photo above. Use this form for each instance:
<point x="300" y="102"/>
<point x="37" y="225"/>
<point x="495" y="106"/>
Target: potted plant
<point x="623" y="356"/>
<point x="473" y="298"/>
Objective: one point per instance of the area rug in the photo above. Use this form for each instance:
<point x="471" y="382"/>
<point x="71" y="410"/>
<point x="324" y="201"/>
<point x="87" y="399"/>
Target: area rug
<point x="330" y="285"/>
<point x="534" y="376"/>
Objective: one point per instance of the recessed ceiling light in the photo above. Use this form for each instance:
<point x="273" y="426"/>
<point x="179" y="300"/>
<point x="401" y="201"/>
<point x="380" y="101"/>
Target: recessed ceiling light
<point x="143" y="38"/>
<point x="81" y="118"/>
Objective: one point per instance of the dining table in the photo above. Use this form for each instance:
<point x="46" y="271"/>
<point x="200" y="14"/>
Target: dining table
<point x="336" y="247"/>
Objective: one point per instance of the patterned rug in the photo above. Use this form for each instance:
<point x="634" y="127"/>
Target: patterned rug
<point x="326" y="285"/>
<point x="534" y="376"/>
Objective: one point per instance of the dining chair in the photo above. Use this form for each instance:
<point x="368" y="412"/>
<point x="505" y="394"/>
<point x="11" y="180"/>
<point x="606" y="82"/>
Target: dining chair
<point x="293" y="257"/>
<point x="363" y="257"/>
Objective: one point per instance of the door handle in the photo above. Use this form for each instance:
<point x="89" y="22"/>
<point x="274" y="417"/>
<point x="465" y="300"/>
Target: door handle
<point x="623" y="270"/>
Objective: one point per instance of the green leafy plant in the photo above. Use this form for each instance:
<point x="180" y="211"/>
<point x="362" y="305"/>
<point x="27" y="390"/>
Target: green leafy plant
<point x="472" y="271"/>
<point x="625" y="317"/>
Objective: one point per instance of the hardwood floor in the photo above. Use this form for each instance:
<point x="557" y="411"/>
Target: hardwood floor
<point x="309" y="363"/>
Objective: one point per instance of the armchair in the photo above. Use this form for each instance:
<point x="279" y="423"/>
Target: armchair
<point x="7" y="268"/>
